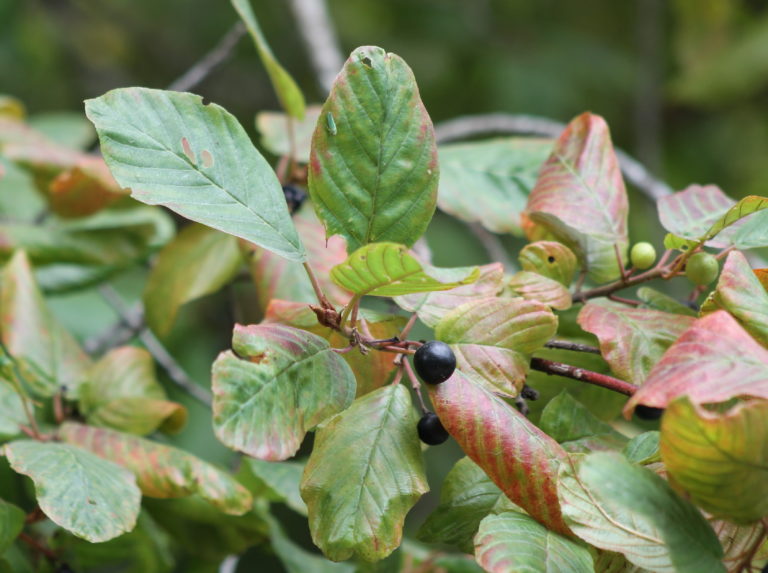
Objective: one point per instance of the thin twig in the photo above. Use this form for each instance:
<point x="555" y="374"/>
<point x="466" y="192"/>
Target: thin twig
<point x="588" y="376"/>
<point x="119" y="333"/>
<point x="575" y="346"/>
<point x="175" y="372"/>
<point x="320" y="39"/>
<point x="210" y="61"/>
<point x="474" y="125"/>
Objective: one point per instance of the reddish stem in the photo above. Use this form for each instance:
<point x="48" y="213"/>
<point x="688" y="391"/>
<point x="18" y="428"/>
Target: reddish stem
<point x="37" y="546"/>
<point x="588" y="376"/>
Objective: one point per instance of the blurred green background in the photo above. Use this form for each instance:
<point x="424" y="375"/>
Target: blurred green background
<point x="683" y="85"/>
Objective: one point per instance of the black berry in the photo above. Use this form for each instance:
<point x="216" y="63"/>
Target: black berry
<point x="648" y="412"/>
<point x="529" y="393"/>
<point x="431" y="430"/>
<point x="294" y="196"/>
<point x="765" y="569"/>
<point x="434" y="362"/>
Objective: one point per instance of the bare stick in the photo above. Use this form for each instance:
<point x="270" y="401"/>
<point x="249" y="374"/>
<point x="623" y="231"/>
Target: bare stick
<point x="471" y="126"/>
<point x="321" y="298"/>
<point x="575" y="346"/>
<point x="320" y="39"/>
<point x="415" y="384"/>
<point x="175" y="372"/>
<point x="119" y="333"/>
<point x="588" y="376"/>
<point x="210" y="61"/>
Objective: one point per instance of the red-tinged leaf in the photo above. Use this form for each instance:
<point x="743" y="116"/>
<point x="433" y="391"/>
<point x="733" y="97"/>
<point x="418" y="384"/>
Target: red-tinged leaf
<point x="713" y="361"/>
<point x="719" y="460"/>
<point x="493" y="338"/>
<point x="740" y="292"/>
<point x="691" y="212"/>
<point x="123" y="393"/>
<point x="521" y="459"/>
<point x="632" y="340"/>
<point x="42" y="158"/>
<point x="161" y="471"/>
<point x="737" y="541"/>
<point x="533" y="286"/>
<point x="276" y="277"/>
<point x="279" y="383"/>
<point x="365" y="473"/>
<point x="371" y="370"/>
<point x="433" y="306"/>
<point x="199" y="261"/>
<point x="276" y="136"/>
<point x="551" y="259"/>
<point x="48" y="355"/>
<point x="84" y="189"/>
<point x="580" y="197"/>
<point x="762" y="276"/>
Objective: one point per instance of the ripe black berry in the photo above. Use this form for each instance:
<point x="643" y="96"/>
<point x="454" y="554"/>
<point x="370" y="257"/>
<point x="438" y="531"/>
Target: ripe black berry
<point x="648" y="412"/>
<point x="431" y="430"/>
<point x="294" y="196"/>
<point x="434" y="362"/>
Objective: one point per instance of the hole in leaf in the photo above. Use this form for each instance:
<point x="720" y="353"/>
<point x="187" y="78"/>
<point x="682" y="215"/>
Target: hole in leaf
<point x="551" y="259"/>
<point x="367" y="62"/>
<point x="207" y="158"/>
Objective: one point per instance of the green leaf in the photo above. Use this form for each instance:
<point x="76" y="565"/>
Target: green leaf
<point x="195" y="159"/>
<point x="48" y="355"/>
<point x="122" y="393"/>
<point x="489" y="181"/>
<point x="66" y="128"/>
<point x="568" y="421"/>
<point x="275" y="130"/>
<point x="580" y="197"/>
<point x="742" y="294"/>
<point x="533" y="286"/>
<point x="521" y="459"/>
<point x="431" y="307"/>
<point x="466" y="497"/>
<point x="493" y="338"/>
<point x="713" y="361"/>
<point x="753" y="233"/>
<point x="279" y="383"/>
<point x="282" y="479"/>
<point x="287" y="91"/>
<point x="512" y="541"/>
<point x="91" y="497"/>
<point x="11" y="524"/>
<point x="643" y="448"/>
<point x="656" y="300"/>
<point x="373" y="170"/>
<point x="199" y="261"/>
<point x="11" y="411"/>
<point x="360" y="509"/>
<point x="278" y="278"/>
<point x="161" y="471"/>
<point x="388" y="269"/>
<point x="551" y="259"/>
<point x="632" y="340"/>
<point x="720" y="460"/>
<point x="620" y="507"/>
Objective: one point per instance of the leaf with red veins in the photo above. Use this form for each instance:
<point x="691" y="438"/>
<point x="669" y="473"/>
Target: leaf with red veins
<point x="580" y="198"/>
<point x="533" y="286"/>
<point x="521" y="459"/>
<point x="632" y="340"/>
<point x="691" y="212"/>
<point x="713" y="361"/>
<point x="431" y="307"/>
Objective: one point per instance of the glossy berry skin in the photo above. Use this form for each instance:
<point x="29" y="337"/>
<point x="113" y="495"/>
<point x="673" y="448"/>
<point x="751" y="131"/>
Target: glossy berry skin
<point x="431" y="430"/>
<point x="642" y="256"/>
<point x="434" y="362"/>
<point x="702" y="269"/>
<point x="648" y="412"/>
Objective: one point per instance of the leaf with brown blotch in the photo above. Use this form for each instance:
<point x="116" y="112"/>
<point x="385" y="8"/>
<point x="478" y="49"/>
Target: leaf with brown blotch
<point x="372" y="370"/>
<point x="431" y="307"/>
<point x="279" y="278"/>
<point x="719" y="459"/>
<point x="580" y="197"/>
<point x="161" y="471"/>
<point x="713" y="361"/>
<point x="48" y="355"/>
<point x="521" y="459"/>
<point x="632" y="340"/>
<point x="278" y="383"/>
<point x="84" y="189"/>
<point x="533" y="286"/>
<point x="740" y="292"/>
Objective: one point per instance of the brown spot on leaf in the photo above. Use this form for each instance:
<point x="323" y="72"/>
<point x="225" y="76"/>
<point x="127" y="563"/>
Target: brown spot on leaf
<point x="207" y="158"/>
<point x="188" y="150"/>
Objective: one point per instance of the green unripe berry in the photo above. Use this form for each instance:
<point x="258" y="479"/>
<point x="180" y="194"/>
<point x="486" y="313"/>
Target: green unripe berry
<point x="702" y="268"/>
<point x="642" y="256"/>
